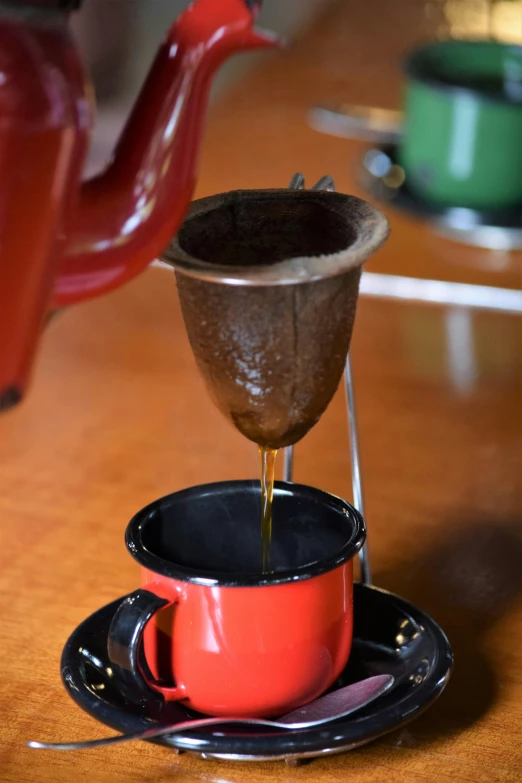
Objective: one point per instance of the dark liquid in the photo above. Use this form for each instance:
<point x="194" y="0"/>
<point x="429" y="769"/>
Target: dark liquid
<point x="268" y="457"/>
<point x="216" y="529"/>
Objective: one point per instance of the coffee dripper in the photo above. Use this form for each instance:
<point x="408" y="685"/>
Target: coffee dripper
<point x="268" y="282"/>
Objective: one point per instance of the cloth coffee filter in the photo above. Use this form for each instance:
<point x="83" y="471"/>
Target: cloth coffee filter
<point x="268" y="282"/>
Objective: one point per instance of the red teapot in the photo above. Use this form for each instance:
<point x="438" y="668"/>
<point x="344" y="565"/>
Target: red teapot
<point x="64" y="241"/>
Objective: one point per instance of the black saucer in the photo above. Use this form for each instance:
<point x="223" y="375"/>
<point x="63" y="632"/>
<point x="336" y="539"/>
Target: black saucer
<point x="385" y="180"/>
<point x="390" y="636"/>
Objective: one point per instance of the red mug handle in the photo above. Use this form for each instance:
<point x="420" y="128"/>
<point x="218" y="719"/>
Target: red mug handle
<point x="125" y="642"/>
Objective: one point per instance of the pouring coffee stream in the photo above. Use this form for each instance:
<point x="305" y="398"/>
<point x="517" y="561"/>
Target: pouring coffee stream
<point x="268" y="282"/>
<point x="268" y="458"/>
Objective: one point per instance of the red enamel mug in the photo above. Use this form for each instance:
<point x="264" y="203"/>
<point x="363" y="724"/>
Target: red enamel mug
<point x="209" y="628"/>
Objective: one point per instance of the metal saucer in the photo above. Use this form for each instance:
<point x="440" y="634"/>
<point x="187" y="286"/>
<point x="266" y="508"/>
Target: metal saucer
<point x="385" y="180"/>
<point x="390" y="636"/>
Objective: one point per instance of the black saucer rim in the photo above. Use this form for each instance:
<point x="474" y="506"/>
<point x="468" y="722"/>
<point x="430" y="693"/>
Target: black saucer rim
<point x="351" y="732"/>
<point x="405" y="200"/>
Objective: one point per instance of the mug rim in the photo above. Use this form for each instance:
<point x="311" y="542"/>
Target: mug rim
<point x="208" y="578"/>
<point x="416" y="72"/>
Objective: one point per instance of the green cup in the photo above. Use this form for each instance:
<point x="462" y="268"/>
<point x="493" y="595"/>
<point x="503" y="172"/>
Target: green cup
<point x="462" y="126"/>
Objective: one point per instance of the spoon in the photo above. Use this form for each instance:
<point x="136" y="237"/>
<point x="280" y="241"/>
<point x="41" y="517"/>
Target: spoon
<point x="381" y="126"/>
<point x="327" y="708"/>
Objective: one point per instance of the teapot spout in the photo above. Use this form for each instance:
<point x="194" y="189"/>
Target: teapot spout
<point x="127" y="215"/>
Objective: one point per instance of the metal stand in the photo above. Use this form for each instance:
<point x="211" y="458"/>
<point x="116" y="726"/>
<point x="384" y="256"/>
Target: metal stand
<point x="366" y="574"/>
<point x="288" y="464"/>
<point x="327" y="183"/>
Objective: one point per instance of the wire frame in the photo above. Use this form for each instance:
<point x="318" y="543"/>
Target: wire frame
<point x="327" y="183"/>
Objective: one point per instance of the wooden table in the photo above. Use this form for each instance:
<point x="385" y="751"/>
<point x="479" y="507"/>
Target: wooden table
<point x="118" y="416"/>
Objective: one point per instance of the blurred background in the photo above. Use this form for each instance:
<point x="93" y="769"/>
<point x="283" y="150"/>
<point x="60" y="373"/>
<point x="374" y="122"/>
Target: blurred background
<point x="258" y="134"/>
<point x="118" y="40"/>
<point x="118" y="414"/>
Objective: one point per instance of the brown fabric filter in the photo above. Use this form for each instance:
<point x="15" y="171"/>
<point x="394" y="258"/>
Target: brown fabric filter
<point x="268" y="284"/>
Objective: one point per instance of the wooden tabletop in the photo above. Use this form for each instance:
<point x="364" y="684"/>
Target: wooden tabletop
<point x="118" y="416"/>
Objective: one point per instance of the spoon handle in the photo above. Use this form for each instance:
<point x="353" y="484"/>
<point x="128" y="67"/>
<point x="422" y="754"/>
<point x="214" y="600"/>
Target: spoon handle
<point x="155" y="731"/>
<point x="380" y="126"/>
<point x="334" y="705"/>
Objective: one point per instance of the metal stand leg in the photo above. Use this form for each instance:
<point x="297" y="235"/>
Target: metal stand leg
<point x="366" y="574"/>
<point x="296" y="183"/>
<point x="288" y="464"/>
<point x="327" y="183"/>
